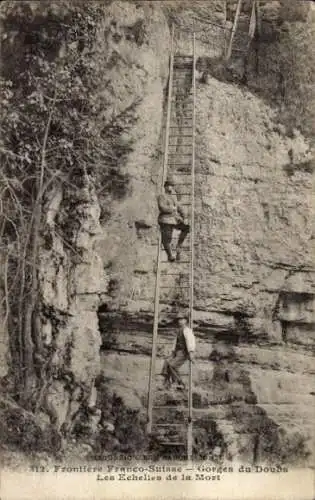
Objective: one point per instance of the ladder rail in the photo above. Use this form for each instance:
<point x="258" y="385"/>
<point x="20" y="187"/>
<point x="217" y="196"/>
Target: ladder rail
<point x="253" y="27"/>
<point x="258" y="17"/>
<point x="192" y="249"/>
<point x="159" y="252"/>
<point x="252" y="24"/>
<point x="236" y="18"/>
<point x="224" y="50"/>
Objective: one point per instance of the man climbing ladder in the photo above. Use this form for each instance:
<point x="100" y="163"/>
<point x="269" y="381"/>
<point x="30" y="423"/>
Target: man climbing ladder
<point x="183" y="350"/>
<point x="172" y="216"/>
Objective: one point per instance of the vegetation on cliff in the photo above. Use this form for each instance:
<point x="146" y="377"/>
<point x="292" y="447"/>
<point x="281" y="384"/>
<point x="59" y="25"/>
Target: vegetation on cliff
<point x="53" y="135"/>
<point x="63" y="127"/>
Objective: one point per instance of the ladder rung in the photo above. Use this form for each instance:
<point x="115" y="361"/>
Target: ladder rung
<point x="186" y="249"/>
<point x="172" y="407"/>
<point x="185" y="104"/>
<point x="174" y="274"/>
<point x="176" y="286"/>
<point x="164" y="330"/>
<point x="169" y="425"/>
<point x="165" y="341"/>
<point x="182" y="65"/>
<point x="166" y="443"/>
<point x="178" y="262"/>
<point x="156" y="244"/>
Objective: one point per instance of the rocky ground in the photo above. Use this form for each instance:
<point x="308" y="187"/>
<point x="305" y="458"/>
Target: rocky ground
<point x="254" y="273"/>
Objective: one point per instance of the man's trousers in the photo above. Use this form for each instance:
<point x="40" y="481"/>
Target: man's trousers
<point x="167" y="235"/>
<point x="171" y="366"/>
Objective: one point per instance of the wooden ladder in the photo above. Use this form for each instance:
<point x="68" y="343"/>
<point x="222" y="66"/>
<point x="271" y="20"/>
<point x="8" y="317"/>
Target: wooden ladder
<point x="171" y="424"/>
<point x="243" y="30"/>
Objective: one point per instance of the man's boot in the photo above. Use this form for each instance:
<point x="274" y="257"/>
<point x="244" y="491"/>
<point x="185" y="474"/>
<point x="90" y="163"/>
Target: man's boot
<point x="167" y="384"/>
<point x="169" y="254"/>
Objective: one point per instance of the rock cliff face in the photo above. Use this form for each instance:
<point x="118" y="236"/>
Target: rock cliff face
<point x="254" y="275"/>
<point x="70" y="284"/>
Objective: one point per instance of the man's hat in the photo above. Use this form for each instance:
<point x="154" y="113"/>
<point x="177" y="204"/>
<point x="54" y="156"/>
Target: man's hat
<point x="181" y="315"/>
<point x="170" y="180"/>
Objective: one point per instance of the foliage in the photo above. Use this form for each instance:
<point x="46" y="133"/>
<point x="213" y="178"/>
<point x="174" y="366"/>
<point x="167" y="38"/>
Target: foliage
<point x="284" y="51"/>
<point x="53" y="134"/>
<point x="206" y="438"/>
<point x="296" y="61"/>
<point x="129" y="435"/>
<point x="20" y="428"/>
<point x="275" y="445"/>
